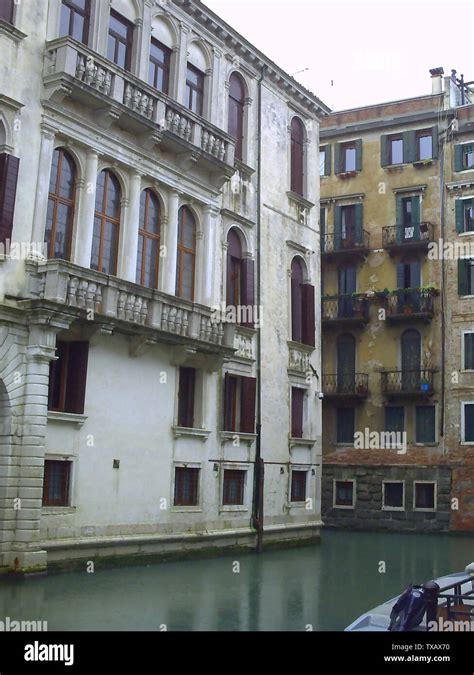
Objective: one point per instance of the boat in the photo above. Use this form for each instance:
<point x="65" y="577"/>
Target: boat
<point x="444" y="604"/>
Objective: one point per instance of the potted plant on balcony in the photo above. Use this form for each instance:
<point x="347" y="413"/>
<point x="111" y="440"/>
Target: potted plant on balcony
<point x="408" y="308"/>
<point x="361" y="389"/>
<point x="424" y="383"/>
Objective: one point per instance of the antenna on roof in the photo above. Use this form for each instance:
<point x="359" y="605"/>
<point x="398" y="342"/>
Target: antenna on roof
<point x="300" y="71"/>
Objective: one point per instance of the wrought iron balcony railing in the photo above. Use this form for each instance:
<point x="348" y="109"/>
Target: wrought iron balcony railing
<point x="346" y="384"/>
<point x="407" y="236"/>
<point x="418" y="382"/>
<point x="410" y="303"/>
<point x="345" y="309"/>
<point x="335" y="243"/>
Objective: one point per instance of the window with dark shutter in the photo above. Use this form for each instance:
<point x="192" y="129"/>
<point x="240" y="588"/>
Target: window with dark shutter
<point x="75" y="19"/>
<point x="424" y="496"/>
<point x="194" y="89"/>
<point x="233" y="489"/>
<point x="297" y="156"/>
<point x="6" y="10"/>
<point x="248" y="401"/>
<point x="425" y="424"/>
<point x="68" y="378"/>
<point x="187" y="380"/>
<point x="9" y="166"/>
<point x="248" y="294"/>
<point x="186" y="486"/>
<point x="395" y="418"/>
<point x="344" y="493"/>
<point x="239" y="403"/>
<point x="468" y="351"/>
<point x="468" y="423"/>
<point x="308" y="315"/>
<point x="61" y="205"/>
<point x="56" y="482"/>
<point x="186" y="258"/>
<point x="466" y="276"/>
<point x="159" y="67"/>
<point x="236" y="112"/>
<point x="345" y="425"/>
<point x="298" y="486"/>
<point x="120" y="42"/>
<point x="104" y="255"/>
<point x="297" y="400"/>
<point x="296" y="300"/>
<point x="393" y="494"/>
<point x="149" y="229"/>
<point x="234" y="269"/>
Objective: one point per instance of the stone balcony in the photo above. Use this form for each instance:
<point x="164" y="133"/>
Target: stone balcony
<point x="110" y="304"/>
<point x="73" y="71"/>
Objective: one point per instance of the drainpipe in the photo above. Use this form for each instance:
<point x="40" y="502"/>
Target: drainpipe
<point x="443" y="291"/>
<point x="257" y="506"/>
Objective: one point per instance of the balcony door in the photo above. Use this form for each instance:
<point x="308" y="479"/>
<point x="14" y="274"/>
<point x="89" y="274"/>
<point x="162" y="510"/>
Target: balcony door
<point x="409" y="276"/>
<point x="348" y="226"/>
<point x="408" y="219"/>
<point x="411" y="360"/>
<point x="346" y="358"/>
<point x="347" y="278"/>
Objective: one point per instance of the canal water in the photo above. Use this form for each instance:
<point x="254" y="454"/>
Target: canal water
<point x="323" y="586"/>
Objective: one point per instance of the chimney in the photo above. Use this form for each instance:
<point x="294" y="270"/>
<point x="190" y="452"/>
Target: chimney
<point x="437" y="80"/>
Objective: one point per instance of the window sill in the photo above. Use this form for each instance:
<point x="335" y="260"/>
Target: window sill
<point x="233" y="508"/>
<point x="395" y="167"/>
<point x="471" y="168"/>
<point x="244" y="168"/>
<point x="393" y="508"/>
<point x="420" y="163"/>
<point x="347" y="174"/>
<point x="69" y="418"/>
<point x="300" y="200"/>
<point x="186" y="509"/>
<point x="11" y="31"/>
<point x="425" y="510"/>
<point x="301" y="441"/>
<point x="426" y="445"/>
<point x="466" y="234"/>
<point x="58" y="510"/>
<point x="203" y="434"/>
<point x="337" y="506"/>
<point x="297" y="505"/>
<point x="242" y="436"/>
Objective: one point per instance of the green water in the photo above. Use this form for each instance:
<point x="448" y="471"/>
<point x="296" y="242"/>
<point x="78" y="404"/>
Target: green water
<point x="325" y="585"/>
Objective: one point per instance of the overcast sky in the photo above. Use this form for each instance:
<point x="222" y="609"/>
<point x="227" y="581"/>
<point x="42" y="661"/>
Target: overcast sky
<point x="358" y="52"/>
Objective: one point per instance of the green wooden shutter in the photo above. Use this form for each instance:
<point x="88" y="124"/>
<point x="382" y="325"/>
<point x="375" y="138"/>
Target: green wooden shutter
<point x="337" y="227"/>
<point x="337" y="158"/>
<point x="409" y="146"/>
<point x="384" y="151"/>
<point x="458" y="165"/>
<point x="358" y="223"/>
<point x="459" y="206"/>
<point x="399" y="219"/>
<point x="358" y="145"/>
<point x="415" y="217"/>
<point x="434" y="137"/>
<point x="327" y="160"/>
<point x="462" y="277"/>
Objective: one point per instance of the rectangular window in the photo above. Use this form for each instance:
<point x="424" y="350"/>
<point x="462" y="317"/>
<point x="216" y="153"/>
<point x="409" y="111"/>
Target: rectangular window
<point x="345" y="425"/>
<point x="56" y="483"/>
<point x="186" y="484"/>
<point x="344" y="493"/>
<point x="468" y="215"/>
<point x="194" y="89"/>
<point x="234" y="485"/>
<point x="239" y="403"/>
<point x="468" y="422"/>
<point x="466" y="276"/>
<point x="468" y="351"/>
<point x="120" y="43"/>
<point x="322" y="161"/>
<point x="395" y="150"/>
<point x="297" y="401"/>
<point x="6" y="10"/>
<point x="67" y="378"/>
<point x="159" y="69"/>
<point x="298" y="486"/>
<point x="395" y="418"/>
<point x="74" y="20"/>
<point x="468" y="156"/>
<point x="9" y="166"/>
<point x="424" y="145"/>
<point x="348" y="224"/>
<point x="393" y="495"/>
<point x="349" y="157"/>
<point x="424" y="496"/>
<point x="425" y="424"/>
<point x="187" y="382"/>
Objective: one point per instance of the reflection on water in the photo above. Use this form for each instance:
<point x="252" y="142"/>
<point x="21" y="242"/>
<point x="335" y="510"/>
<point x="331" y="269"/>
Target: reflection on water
<point x="325" y="586"/>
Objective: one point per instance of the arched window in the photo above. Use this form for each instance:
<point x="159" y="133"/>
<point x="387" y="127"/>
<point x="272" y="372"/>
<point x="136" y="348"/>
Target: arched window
<point x="236" y="112"/>
<point x="61" y="204"/>
<point x="148" y="240"/>
<point x="106" y="223"/>
<point x="186" y="258"/>
<point x="297" y="156"/>
<point x="234" y="269"/>
<point x="302" y="306"/>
